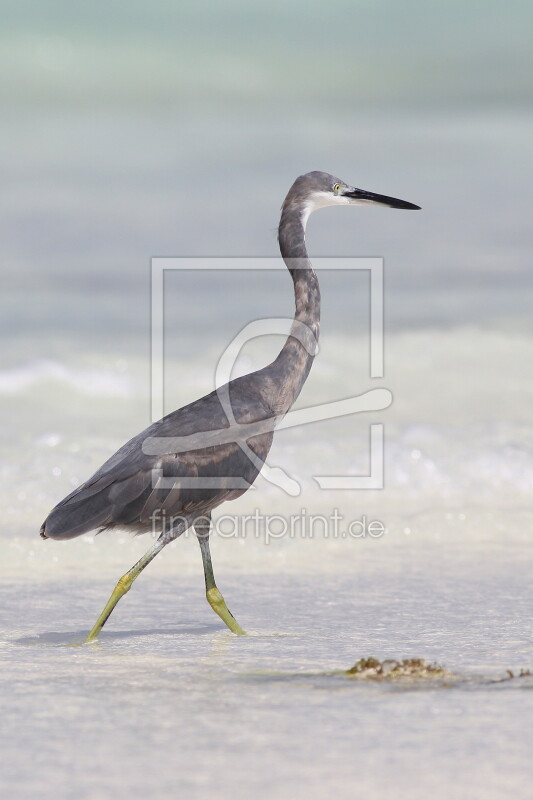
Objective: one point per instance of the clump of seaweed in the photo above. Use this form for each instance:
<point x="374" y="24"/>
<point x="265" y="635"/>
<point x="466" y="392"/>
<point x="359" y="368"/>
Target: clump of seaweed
<point x="511" y="676"/>
<point x="391" y="670"/>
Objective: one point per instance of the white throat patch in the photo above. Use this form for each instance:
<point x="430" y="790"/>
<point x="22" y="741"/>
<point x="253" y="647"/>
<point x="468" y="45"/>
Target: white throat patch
<point x="321" y="200"/>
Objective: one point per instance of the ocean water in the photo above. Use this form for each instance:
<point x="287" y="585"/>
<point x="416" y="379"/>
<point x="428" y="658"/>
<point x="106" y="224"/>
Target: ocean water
<point x="169" y="702"/>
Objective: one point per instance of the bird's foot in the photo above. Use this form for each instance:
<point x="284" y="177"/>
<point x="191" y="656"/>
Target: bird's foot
<point x="218" y="604"/>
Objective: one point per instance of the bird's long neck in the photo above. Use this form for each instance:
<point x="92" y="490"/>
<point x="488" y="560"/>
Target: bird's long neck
<point x="290" y="369"/>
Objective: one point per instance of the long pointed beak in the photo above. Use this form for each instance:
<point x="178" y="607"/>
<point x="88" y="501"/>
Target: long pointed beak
<point x="363" y="197"/>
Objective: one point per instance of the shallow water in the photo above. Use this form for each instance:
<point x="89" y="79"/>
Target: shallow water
<point x="168" y="701"/>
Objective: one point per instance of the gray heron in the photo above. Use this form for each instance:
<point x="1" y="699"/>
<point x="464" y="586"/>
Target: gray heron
<point x="231" y="429"/>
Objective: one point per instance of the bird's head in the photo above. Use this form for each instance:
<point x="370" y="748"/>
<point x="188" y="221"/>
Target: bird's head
<point x="319" y="189"/>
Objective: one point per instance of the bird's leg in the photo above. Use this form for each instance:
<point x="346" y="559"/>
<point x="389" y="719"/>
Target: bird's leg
<point x="124" y="584"/>
<point x="214" y="597"/>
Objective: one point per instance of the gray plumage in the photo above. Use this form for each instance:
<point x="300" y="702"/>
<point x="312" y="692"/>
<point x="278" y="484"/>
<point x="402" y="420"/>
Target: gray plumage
<point x="120" y="494"/>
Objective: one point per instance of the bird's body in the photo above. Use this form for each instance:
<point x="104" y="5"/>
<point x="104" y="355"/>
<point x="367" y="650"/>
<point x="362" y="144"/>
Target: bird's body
<point x="230" y="430"/>
<point x="121" y="493"/>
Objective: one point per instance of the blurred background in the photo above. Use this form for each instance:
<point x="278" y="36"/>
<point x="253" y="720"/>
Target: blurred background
<point x="176" y="129"/>
<point x="137" y="129"/>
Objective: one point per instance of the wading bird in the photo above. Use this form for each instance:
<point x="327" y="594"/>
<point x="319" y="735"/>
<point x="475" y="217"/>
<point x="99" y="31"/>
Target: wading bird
<point x="230" y="431"/>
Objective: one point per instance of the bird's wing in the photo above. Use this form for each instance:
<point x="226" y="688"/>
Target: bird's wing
<point x="136" y="490"/>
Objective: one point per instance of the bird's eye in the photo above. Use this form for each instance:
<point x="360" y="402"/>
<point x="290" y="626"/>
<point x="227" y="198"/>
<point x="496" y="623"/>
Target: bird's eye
<point x="336" y="188"/>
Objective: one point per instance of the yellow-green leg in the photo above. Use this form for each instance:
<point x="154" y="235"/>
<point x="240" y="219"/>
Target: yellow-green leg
<point x="124" y="585"/>
<point x="214" y="597"/>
